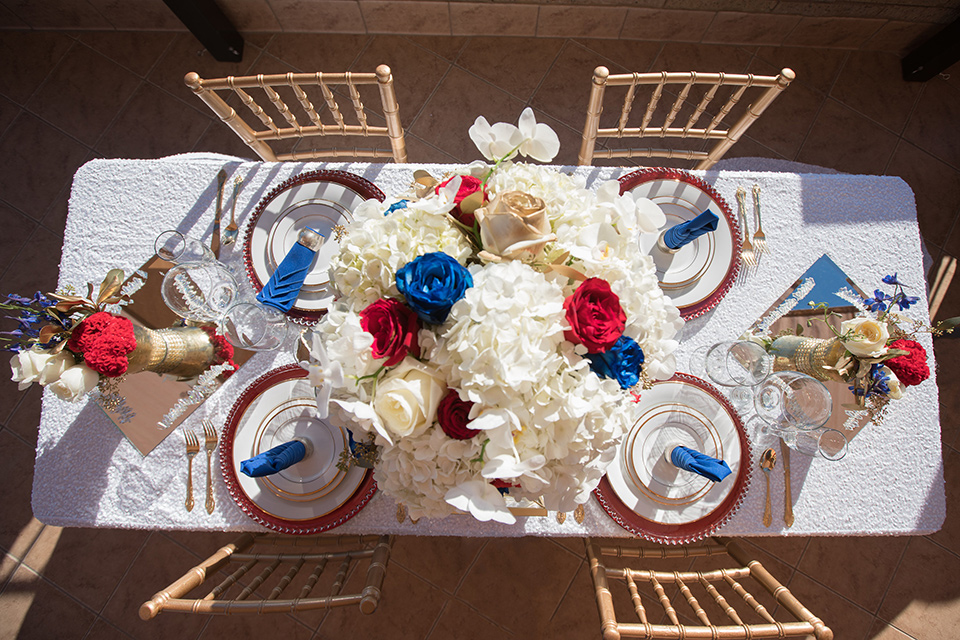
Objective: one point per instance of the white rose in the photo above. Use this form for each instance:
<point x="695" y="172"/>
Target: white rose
<point x="868" y="338"/>
<point x="75" y="382"/>
<point x="28" y="365"/>
<point x="407" y="399"/>
<point x="893" y="383"/>
<point x="55" y="366"/>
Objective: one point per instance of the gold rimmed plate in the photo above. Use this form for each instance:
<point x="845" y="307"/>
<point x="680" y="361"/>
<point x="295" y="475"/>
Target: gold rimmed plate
<point x="321" y="200"/>
<point x="699" y="275"/>
<point x="649" y="497"/>
<point x="310" y="496"/>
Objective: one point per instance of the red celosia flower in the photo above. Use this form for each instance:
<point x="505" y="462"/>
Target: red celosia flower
<point x="912" y="368"/>
<point x="104" y="340"/>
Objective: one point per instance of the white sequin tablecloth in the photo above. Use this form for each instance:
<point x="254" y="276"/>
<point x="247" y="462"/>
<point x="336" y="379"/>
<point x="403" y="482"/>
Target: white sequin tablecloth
<point x="890" y="483"/>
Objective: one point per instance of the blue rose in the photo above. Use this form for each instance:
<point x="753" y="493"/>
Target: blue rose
<point x="621" y="362"/>
<point x="431" y="284"/>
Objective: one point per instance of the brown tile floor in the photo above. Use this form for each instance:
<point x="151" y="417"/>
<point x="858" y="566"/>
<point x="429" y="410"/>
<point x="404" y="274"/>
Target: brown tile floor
<point x="68" y="97"/>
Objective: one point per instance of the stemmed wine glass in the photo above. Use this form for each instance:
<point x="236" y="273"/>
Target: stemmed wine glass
<point x="175" y="247"/>
<point x="199" y="291"/>
<point x="253" y="326"/>
<point x="740" y="365"/>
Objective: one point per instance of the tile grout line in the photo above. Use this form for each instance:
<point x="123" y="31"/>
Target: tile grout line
<point x="893" y="577"/>
<point x="566" y="591"/>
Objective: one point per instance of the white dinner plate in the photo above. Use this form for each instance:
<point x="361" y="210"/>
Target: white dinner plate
<point x="697" y="276"/>
<point x="314" y="486"/>
<point x="651" y="487"/>
<point x="321" y="200"/>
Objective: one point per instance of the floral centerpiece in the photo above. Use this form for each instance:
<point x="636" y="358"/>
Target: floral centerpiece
<point x="875" y="353"/>
<point x="492" y="329"/>
<point x="73" y="343"/>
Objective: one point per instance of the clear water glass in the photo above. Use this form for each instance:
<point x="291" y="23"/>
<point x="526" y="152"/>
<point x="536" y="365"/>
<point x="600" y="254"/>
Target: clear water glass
<point x="175" y="247"/>
<point x="199" y="291"/>
<point x="790" y="398"/>
<point x="255" y="327"/>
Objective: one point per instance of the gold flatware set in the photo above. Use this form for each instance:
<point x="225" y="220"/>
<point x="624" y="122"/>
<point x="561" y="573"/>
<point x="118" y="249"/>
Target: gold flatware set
<point x="751" y="250"/>
<point x="193" y="448"/>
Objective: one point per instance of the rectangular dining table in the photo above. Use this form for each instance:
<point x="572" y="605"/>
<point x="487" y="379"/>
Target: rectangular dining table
<point x="890" y="483"/>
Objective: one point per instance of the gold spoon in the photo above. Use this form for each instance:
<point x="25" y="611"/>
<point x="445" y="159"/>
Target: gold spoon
<point x="768" y="460"/>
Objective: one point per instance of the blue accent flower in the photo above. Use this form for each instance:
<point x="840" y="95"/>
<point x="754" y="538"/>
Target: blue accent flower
<point x="892" y="280"/>
<point x="399" y="204"/>
<point x="621" y="362"/>
<point x="878" y="302"/>
<point x="904" y="302"/>
<point x="876" y="383"/>
<point x="431" y="284"/>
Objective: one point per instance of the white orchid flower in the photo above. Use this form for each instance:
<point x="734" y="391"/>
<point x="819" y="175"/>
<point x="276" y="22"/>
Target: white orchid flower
<point x="540" y="142"/>
<point x="322" y="373"/>
<point x="481" y="500"/>
<point x="498" y="142"/>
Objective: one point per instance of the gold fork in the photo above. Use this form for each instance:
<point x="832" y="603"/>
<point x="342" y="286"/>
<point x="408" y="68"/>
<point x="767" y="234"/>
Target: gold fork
<point x="193" y="448"/>
<point x="210" y="443"/>
<point x="747" y="258"/>
<point x="759" y="239"/>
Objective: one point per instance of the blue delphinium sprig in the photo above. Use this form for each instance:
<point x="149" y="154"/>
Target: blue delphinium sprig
<point x="31" y="315"/>
<point x="875" y="383"/>
<point x="880" y="301"/>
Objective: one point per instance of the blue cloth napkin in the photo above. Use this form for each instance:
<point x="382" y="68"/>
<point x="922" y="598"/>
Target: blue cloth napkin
<point x="274" y="460"/>
<point x="700" y="463"/>
<point x="680" y="234"/>
<point x="284" y="286"/>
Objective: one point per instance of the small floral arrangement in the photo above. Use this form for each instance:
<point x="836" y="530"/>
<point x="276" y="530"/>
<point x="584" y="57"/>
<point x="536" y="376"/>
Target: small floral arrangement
<point x="872" y="352"/>
<point x="67" y="341"/>
<point x="492" y="329"/>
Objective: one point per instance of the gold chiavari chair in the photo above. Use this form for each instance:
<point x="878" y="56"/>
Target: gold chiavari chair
<point x="698" y="90"/>
<point x="260" y="574"/>
<point x="715" y="585"/>
<point x="295" y="86"/>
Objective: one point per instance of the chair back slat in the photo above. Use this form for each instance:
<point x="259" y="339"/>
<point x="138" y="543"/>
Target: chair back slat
<point x="748" y="597"/>
<point x="664" y="599"/>
<point x="307" y="105"/>
<point x="724" y="135"/>
<point x="693" y="602"/>
<point x="720" y="600"/>
<point x="230" y="580"/>
<point x="654" y="100"/>
<point x="285" y="580"/>
<point x="310" y="122"/>
<point x="265" y="573"/>
<point x="332" y="105"/>
<point x="701" y="107"/>
<point x="635" y="599"/>
<point x="314" y="577"/>
<point x="281" y="107"/>
<point x="357" y="105"/>
<point x="341" y="577"/>
<point x="256" y="109"/>
<point x="675" y="108"/>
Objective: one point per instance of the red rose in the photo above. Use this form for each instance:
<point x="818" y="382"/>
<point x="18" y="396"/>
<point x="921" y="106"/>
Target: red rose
<point x="104" y="341"/>
<point x="912" y="368"/>
<point x="394" y="328"/>
<point x="453" y="416"/>
<point x="595" y="316"/>
<point x="468" y="185"/>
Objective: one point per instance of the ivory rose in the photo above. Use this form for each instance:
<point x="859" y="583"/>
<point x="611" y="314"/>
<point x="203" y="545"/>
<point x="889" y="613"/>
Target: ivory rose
<point x="27" y="366"/>
<point x="75" y="382"/>
<point x="864" y="337"/>
<point x="407" y="398"/>
<point x="514" y="224"/>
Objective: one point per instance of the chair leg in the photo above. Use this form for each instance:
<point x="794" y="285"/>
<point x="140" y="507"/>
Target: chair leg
<point x="594" y="108"/>
<point x="608" y="618"/>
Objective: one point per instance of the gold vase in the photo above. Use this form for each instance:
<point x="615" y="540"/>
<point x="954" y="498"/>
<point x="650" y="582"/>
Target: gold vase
<point x="185" y="352"/>
<point x="811" y="356"/>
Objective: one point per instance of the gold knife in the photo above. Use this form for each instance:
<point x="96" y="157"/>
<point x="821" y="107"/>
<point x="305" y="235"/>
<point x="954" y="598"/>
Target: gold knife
<point x="787" y="499"/>
<point x="215" y="240"/>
